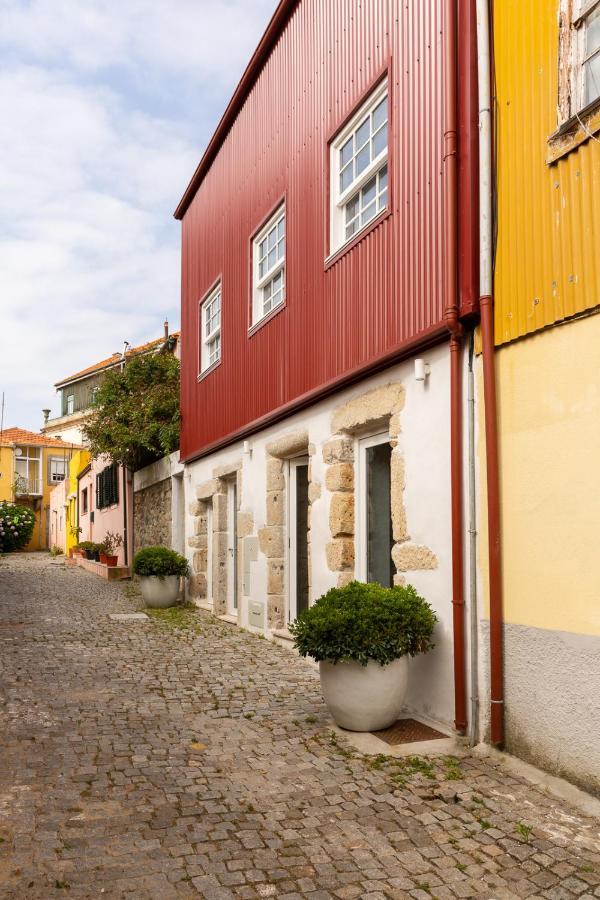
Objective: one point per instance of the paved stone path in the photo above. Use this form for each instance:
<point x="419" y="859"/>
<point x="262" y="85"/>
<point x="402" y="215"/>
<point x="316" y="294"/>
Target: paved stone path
<point x="138" y="760"/>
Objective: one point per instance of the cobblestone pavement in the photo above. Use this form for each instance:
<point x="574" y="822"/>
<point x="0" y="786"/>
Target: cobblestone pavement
<point x="138" y="760"/>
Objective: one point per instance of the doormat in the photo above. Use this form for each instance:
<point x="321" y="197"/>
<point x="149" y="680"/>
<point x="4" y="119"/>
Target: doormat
<point x="408" y="731"/>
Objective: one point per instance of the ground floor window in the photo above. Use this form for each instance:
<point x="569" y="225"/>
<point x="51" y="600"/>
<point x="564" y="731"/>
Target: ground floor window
<point x="374" y="514"/>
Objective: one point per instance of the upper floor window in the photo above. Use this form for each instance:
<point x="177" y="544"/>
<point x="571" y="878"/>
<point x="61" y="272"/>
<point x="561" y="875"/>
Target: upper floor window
<point x="579" y="84"/>
<point x="107" y="487"/>
<point x="268" y="266"/>
<point x="84" y="501"/>
<point x="210" y="329"/>
<point x="358" y="169"/>
<point x="57" y="469"/>
<point x="70" y="404"/>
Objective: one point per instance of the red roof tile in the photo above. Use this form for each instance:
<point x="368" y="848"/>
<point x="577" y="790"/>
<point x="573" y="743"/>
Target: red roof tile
<point x="114" y="359"/>
<point x="22" y="436"/>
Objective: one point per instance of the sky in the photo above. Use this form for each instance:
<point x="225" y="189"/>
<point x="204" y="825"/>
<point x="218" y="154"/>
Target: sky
<point x="105" y="109"/>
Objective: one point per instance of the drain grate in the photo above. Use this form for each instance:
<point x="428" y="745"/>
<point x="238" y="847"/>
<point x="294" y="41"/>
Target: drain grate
<point x="408" y="731"/>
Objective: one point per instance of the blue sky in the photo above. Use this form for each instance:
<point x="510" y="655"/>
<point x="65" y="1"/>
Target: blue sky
<point x="106" y="107"/>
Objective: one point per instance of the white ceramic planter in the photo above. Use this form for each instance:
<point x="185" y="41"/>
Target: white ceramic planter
<point x="364" y="698"/>
<point x="159" y="593"/>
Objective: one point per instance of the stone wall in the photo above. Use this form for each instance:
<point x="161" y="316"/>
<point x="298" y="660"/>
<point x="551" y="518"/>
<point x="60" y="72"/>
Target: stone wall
<point x="152" y="519"/>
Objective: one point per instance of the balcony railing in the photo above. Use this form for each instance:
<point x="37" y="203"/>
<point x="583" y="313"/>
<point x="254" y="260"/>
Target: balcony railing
<point x="27" y="487"/>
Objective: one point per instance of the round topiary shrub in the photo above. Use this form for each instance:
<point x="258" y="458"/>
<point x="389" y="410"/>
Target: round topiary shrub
<point x="16" y="526"/>
<point x="363" y="622"/>
<point x="160" y="561"/>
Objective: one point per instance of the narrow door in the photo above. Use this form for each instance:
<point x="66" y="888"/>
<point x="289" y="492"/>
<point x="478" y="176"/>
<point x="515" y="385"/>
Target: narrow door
<point x="209" y="557"/>
<point x="298" y="537"/>
<point x="232" y="598"/>
<point x="375" y="538"/>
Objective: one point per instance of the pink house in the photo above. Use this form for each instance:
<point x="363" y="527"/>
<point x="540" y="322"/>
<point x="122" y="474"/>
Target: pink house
<point x="105" y="503"/>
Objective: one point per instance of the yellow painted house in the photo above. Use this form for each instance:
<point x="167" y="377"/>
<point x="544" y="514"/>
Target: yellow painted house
<point x="31" y="465"/>
<point x="547" y="332"/>
<point x="64" y="513"/>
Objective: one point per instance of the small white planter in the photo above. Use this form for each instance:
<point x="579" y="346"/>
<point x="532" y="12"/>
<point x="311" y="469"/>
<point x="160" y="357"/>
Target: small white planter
<point x="159" y="593"/>
<point x="364" y="698"/>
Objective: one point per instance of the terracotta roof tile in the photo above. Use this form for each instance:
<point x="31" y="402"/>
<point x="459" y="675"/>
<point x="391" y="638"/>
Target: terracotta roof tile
<point x="114" y="359"/>
<point x="22" y="436"/>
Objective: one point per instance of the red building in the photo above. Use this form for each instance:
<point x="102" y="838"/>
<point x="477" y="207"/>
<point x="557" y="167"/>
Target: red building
<point x="321" y="242"/>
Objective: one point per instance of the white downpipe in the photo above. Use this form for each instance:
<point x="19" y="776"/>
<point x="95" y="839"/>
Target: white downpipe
<point x="485" y="148"/>
<point x="485" y="290"/>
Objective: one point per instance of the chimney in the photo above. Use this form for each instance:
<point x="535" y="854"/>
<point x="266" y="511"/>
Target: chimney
<point x="46" y="415"/>
<point x="166" y="329"/>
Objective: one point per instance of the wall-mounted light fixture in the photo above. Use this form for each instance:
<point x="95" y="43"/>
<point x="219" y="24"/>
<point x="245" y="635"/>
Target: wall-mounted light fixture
<point x="248" y="449"/>
<point x="422" y="370"/>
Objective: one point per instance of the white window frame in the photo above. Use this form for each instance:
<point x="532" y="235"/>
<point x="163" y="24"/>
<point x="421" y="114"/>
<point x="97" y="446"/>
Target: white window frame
<point x="339" y="198"/>
<point x="260" y="283"/>
<point x="64" y="462"/>
<point x="70" y="404"/>
<point x="360" y="447"/>
<point x="208" y="357"/>
<point x="575" y="15"/>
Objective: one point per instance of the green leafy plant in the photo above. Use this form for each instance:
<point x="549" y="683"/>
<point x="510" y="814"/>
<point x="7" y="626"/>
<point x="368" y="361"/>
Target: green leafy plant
<point x="363" y="622"/>
<point x="160" y="561"/>
<point x="85" y="545"/>
<point x="524" y="831"/>
<point x="56" y="551"/>
<point x="135" y="418"/>
<point x="16" y="526"/>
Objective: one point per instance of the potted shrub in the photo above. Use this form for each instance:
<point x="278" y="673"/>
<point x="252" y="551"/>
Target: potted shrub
<point x="159" y="570"/>
<point x="87" y="547"/>
<point x="108" y="546"/>
<point x="362" y="635"/>
<point x="78" y="550"/>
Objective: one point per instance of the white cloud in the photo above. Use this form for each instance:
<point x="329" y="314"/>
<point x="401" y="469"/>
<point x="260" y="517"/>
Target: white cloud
<point x="94" y="164"/>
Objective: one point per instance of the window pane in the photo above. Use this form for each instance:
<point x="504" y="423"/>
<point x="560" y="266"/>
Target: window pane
<point x="272" y="258"/>
<point x="380" y="114"/>
<point x="383" y="178"/>
<point x="351" y="208"/>
<point x="362" y="160"/>
<point x="383" y="199"/>
<point x="380" y="141"/>
<point x="281" y="228"/>
<point x="368" y="192"/>
<point x="346" y="178"/>
<point x="363" y="133"/>
<point x="592" y="79"/>
<point x="592" y="33"/>
<point x="351" y="228"/>
<point x="262" y="249"/>
<point x="267" y="290"/>
<point x="261" y="269"/>
<point x="368" y="213"/>
<point x="346" y="153"/>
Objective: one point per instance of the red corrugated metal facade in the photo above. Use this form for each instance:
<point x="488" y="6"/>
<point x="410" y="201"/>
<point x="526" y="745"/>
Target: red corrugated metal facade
<point x="379" y="295"/>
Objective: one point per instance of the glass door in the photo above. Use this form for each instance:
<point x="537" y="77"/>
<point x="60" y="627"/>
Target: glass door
<point x="374" y="511"/>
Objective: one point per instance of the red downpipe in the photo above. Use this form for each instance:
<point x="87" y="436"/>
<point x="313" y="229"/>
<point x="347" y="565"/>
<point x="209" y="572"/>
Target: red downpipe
<point x="456" y="331"/>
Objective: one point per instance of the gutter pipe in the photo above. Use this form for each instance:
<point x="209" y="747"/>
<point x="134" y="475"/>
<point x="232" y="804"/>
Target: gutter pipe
<point x="451" y="316"/>
<point x="489" y="375"/>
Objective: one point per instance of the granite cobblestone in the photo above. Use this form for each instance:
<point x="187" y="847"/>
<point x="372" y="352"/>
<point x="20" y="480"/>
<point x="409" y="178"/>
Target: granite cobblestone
<point x="142" y="760"/>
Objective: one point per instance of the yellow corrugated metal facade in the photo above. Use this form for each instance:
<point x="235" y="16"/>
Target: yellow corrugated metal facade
<point x="548" y="250"/>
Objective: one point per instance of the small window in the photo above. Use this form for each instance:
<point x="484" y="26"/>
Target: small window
<point x="57" y="469"/>
<point x="358" y="169"/>
<point x="268" y="267"/>
<point x="210" y="330"/>
<point x="107" y="487"/>
<point x="579" y="56"/>
<point x="84" y="501"/>
<point x="70" y="404"/>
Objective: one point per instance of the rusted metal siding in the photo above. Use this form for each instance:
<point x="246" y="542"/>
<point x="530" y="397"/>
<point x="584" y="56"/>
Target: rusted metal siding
<point x="384" y="291"/>
<point x="548" y="255"/>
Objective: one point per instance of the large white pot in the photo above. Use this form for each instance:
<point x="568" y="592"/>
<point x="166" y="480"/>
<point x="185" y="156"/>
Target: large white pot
<point x="364" y="698"/>
<point x="158" y="593"/>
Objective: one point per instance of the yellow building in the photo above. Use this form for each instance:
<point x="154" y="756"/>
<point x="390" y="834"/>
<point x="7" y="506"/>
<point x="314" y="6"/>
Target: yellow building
<point x="31" y="465"/>
<point x="547" y="296"/>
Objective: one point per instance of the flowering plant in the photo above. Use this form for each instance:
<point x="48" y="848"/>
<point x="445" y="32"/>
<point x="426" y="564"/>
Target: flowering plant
<point x="16" y="526"/>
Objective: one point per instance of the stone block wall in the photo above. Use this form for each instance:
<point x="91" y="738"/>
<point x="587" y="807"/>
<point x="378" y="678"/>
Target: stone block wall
<point x="152" y="516"/>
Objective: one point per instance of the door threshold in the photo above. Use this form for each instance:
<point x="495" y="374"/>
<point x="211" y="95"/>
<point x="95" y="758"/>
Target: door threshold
<point x="226" y="617"/>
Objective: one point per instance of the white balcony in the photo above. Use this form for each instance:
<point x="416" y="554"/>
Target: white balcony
<point x="28" y="487"/>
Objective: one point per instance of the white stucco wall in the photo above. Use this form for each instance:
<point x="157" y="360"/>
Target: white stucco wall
<point x="424" y="442"/>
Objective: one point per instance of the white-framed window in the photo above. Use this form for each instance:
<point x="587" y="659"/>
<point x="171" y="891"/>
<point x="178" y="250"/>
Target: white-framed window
<point x="359" y="170"/>
<point x="70" y="404"/>
<point x="579" y="82"/>
<point x="210" y="329"/>
<point x="57" y="469"/>
<point x="268" y="266"/>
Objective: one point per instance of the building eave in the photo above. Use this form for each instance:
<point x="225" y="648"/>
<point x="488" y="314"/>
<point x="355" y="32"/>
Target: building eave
<point x="274" y="29"/>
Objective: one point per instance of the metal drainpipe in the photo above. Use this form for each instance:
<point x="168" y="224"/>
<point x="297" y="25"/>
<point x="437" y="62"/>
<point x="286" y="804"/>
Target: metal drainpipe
<point x="473" y="612"/>
<point x="489" y="375"/>
<point x="456" y="332"/>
